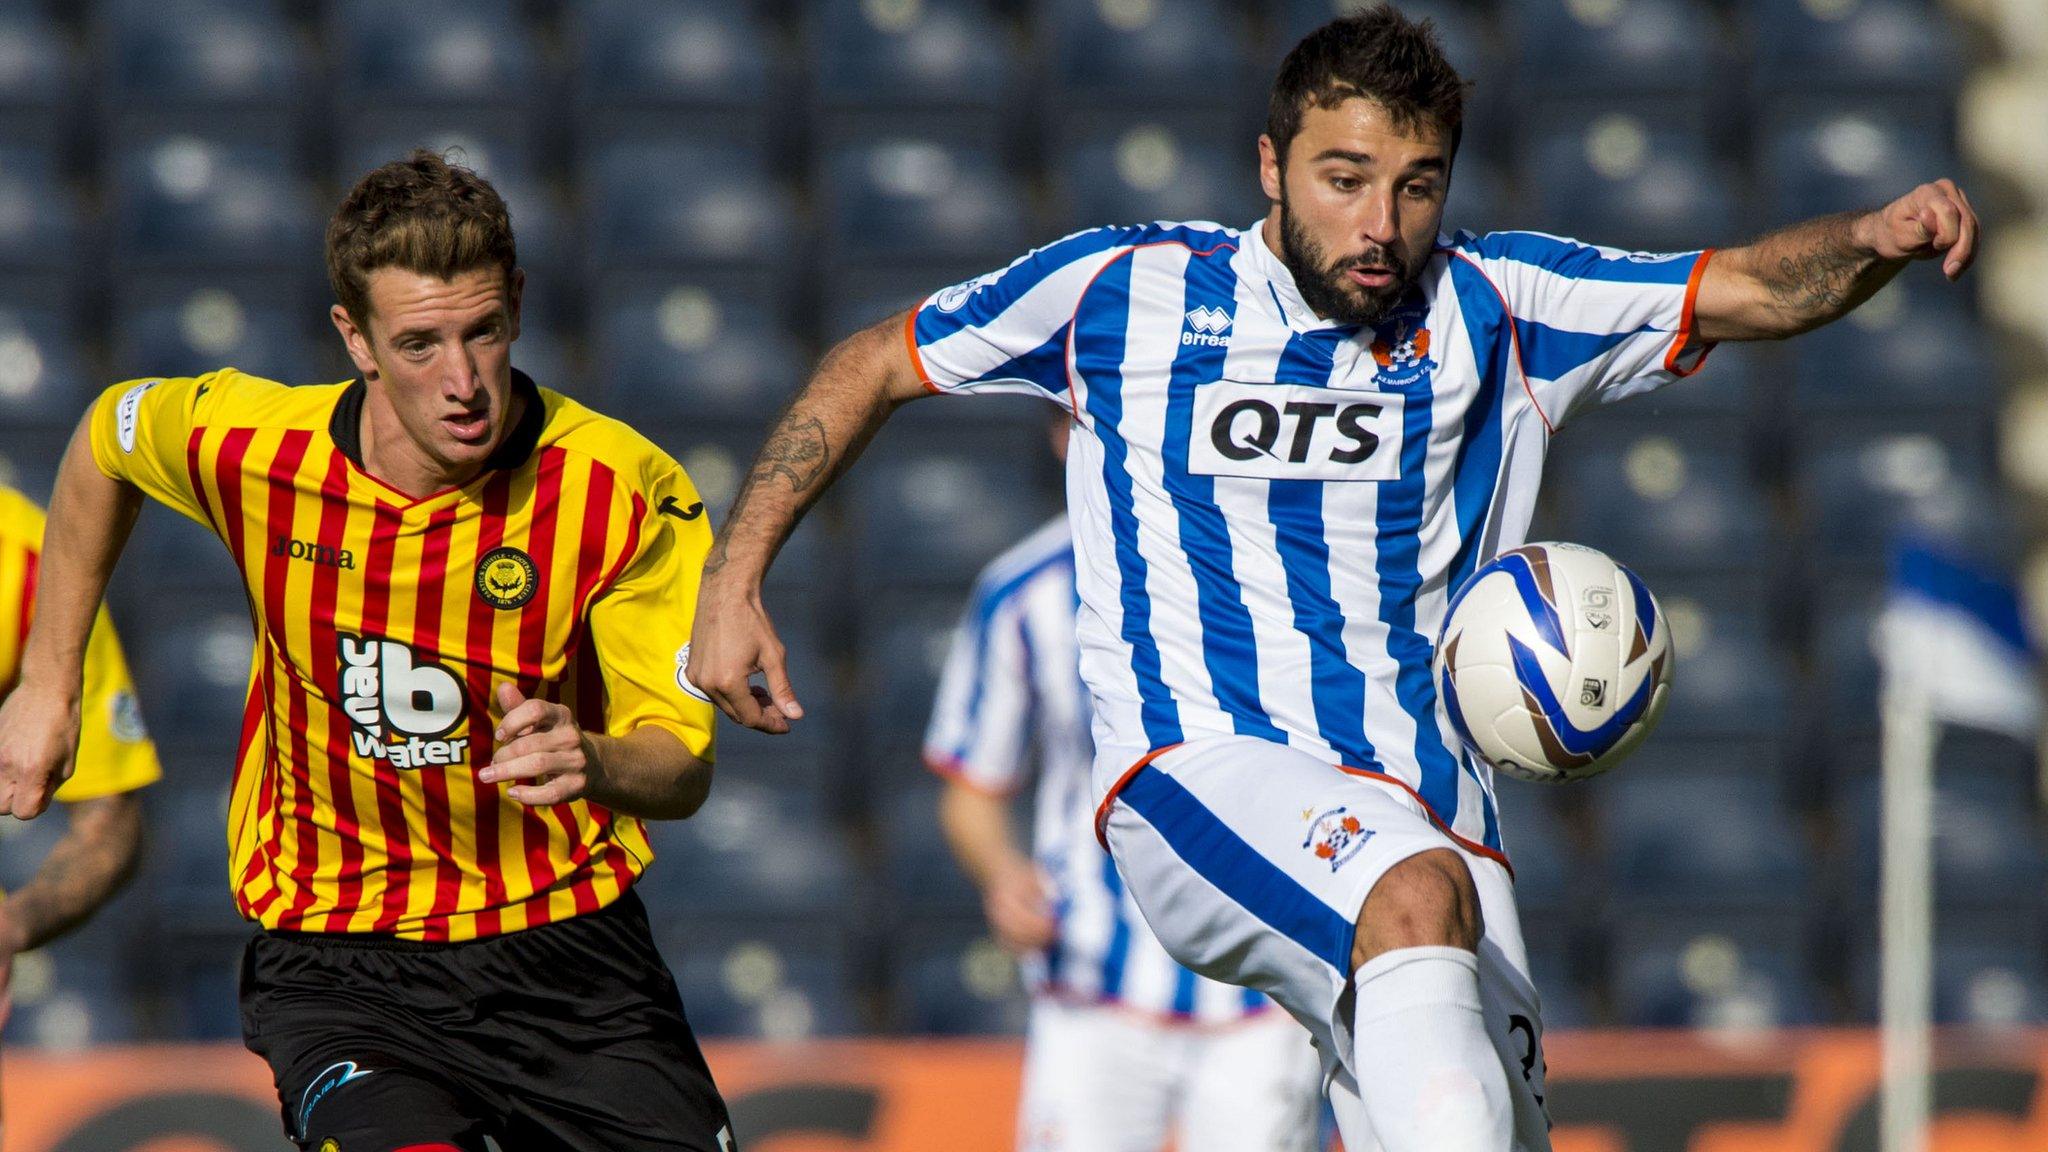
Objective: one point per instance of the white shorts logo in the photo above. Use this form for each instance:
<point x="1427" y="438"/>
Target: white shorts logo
<point x="128" y="416"/>
<point x="1295" y="432"/>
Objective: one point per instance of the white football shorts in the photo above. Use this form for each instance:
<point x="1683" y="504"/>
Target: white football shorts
<point x="1100" y="1078"/>
<point x="1251" y="861"/>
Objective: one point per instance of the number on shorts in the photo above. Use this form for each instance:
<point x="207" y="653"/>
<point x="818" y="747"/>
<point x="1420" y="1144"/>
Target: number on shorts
<point x="1522" y="1024"/>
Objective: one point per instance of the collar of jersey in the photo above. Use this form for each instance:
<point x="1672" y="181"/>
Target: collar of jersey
<point x="346" y="425"/>
<point x="1280" y="282"/>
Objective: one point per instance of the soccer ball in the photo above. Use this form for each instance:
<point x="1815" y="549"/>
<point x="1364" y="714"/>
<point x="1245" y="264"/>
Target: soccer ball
<point x="1554" y="662"/>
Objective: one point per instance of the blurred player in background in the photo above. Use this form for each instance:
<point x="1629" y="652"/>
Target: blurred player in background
<point x="471" y="596"/>
<point x="97" y="853"/>
<point x="1126" y="1047"/>
<point x="1300" y="437"/>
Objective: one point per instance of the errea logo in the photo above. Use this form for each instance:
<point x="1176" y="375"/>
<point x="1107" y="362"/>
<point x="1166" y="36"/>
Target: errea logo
<point x="1206" y="327"/>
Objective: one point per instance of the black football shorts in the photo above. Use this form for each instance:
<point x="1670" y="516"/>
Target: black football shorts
<point x="568" y="1036"/>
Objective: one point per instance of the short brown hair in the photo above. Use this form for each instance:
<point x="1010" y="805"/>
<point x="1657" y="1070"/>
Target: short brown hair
<point x="1376" y="53"/>
<point x="421" y="214"/>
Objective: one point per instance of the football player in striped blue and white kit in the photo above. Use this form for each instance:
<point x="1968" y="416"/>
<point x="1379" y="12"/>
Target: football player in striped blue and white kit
<point x="1293" y="441"/>
<point x="1125" y="1047"/>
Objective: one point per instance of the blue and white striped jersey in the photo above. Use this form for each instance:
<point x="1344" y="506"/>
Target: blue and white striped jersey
<point x="1012" y="687"/>
<point x="1270" y="511"/>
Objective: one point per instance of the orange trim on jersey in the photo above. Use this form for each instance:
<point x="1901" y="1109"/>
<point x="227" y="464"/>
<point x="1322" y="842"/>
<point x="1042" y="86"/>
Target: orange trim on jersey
<point x="1476" y="849"/>
<point x="1073" y="393"/>
<point x="917" y="361"/>
<point x="1688" y="324"/>
<point x="1514" y="337"/>
<point x="1102" y="809"/>
<point x="954" y="770"/>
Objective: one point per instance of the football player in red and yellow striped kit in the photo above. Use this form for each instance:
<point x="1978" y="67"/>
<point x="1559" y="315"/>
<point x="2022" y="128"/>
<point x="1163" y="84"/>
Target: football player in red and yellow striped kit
<point x="470" y="596"/>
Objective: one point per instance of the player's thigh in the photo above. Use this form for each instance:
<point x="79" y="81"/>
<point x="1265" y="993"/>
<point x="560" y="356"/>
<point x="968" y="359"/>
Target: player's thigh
<point x="1095" y="1080"/>
<point x="1254" y="1085"/>
<point x="381" y="1108"/>
<point x="1509" y="1001"/>
<point x="648" y="1089"/>
<point x="1251" y="861"/>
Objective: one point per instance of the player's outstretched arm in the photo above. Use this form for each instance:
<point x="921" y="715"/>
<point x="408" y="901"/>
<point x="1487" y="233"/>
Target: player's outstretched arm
<point x="1799" y="278"/>
<point x="88" y="864"/>
<point x="550" y="759"/>
<point x="90" y="517"/>
<point x="855" y="388"/>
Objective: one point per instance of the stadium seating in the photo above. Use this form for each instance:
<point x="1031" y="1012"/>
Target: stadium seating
<point x="191" y="202"/>
<point x="1988" y="848"/>
<point x="1700" y="836"/>
<point x="1734" y="975"/>
<point x="207" y="63"/>
<point x="42" y="375"/>
<point x="196" y="328"/>
<point x="774" y="981"/>
<point x="953" y="979"/>
<point x="1628" y="181"/>
<point x="1815" y="161"/>
<point x="459" y="52"/>
<point x="670" y="57"/>
<point x="679" y="349"/>
<point x="39" y="222"/>
<point x="1667" y="505"/>
<point x="1898" y="48"/>
<point x="1896" y="356"/>
<point x="709" y="192"/>
<point x="1152" y="170"/>
<point x="935" y="512"/>
<point x="37" y="76"/>
<point x="1645" y="47"/>
<point x="192" y="670"/>
<point x="1144" y="53"/>
<point x="909" y="200"/>
<point x="942" y="64"/>
<point x="676" y="202"/>
<point x="922" y="876"/>
<point x="754" y="853"/>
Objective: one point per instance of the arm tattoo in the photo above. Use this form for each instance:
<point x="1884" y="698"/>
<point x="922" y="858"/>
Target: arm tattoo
<point x="797" y="451"/>
<point x="87" y="865"/>
<point x="1817" y="271"/>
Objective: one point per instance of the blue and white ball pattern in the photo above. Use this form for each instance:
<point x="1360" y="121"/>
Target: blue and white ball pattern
<point x="1554" y="662"/>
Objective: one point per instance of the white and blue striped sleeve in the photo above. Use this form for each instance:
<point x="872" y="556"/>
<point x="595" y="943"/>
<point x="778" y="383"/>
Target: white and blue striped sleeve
<point x="980" y="729"/>
<point x="1007" y="331"/>
<point x="1593" y="324"/>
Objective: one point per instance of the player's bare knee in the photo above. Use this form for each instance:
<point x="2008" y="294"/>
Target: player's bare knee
<point x="1427" y="900"/>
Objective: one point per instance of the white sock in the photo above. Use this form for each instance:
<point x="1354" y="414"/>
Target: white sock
<point x="1428" y="1075"/>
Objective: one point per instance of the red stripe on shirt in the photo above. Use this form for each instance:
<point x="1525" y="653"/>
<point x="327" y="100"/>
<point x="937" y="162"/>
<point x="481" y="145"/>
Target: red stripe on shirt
<point x="434" y="783"/>
<point x="31" y="570"/>
<point x="280" y="521"/>
<point x="533" y="636"/>
<point x="480" y="656"/>
<point x="347" y="891"/>
<point x="391" y="821"/>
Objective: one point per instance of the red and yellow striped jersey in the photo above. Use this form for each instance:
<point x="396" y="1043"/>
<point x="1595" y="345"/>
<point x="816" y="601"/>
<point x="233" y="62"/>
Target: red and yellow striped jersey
<point x="383" y="622"/>
<point x="115" y="754"/>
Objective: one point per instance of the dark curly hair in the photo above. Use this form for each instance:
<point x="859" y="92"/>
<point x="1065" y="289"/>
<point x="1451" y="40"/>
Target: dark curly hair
<point x="1376" y="53"/>
<point x="421" y="214"/>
